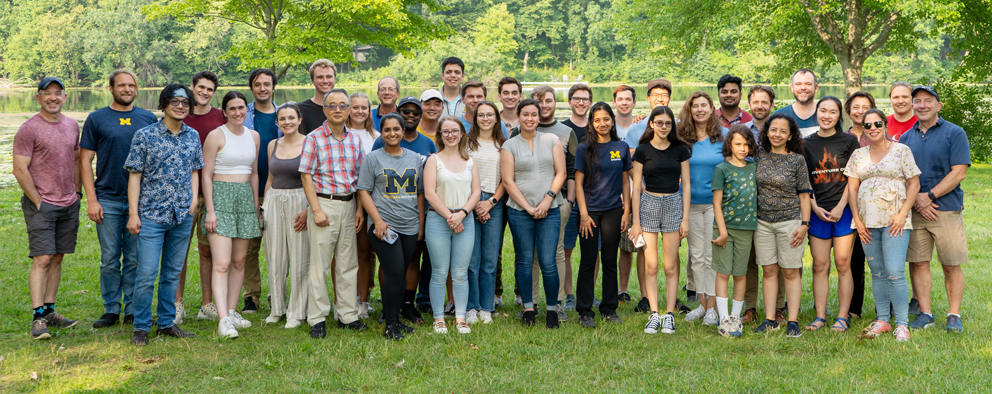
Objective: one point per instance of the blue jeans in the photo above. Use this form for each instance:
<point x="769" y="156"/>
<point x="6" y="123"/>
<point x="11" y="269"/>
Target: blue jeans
<point x="886" y="256"/>
<point x="166" y="242"/>
<point x="542" y="234"/>
<point x="451" y="252"/>
<point x="118" y="257"/>
<point x="482" y="268"/>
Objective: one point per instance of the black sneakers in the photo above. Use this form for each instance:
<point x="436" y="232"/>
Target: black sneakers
<point x="140" y="338"/>
<point x="356" y="325"/>
<point x="128" y="319"/>
<point x="623" y="298"/>
<point x="613" y="318"/>
<point x="175" y="331"/>
<point x="681" y="306"/>
<point x="530" y="317"/>
<point x="587" y="322"/>
<point x="58" y="321"/>
<point x="643" y="306"/>
<point x="551" y="320"/>
<point x="767" y="325"/>
<point x="408" y="312"/>
<point x="317" y="331"/>
<point x="39" y="329"/>
<point x="250" y="306"/>
<point x="106" y="320"/>
<point x="393" y="331"/>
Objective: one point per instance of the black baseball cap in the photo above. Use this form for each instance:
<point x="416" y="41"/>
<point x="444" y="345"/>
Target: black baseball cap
<point x="409" y="100"/>
<point x="48" y="81"/>
<point x="925" y="88"/>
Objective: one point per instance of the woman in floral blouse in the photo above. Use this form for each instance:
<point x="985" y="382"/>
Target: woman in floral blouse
<point x="880" y="176"/>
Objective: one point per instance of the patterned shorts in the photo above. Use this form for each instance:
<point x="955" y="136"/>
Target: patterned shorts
<point x="661" y="214"/>
<point x="235" y="210"/>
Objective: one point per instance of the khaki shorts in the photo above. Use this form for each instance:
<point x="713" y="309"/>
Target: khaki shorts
<point x="946" y="233"/>
<point x="772" y="243"/>
<point x="732" y="258"/>
<point x="198" y="232"/>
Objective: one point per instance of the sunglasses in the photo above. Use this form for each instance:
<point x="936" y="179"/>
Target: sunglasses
<point x="878" y="124"/>
<point x="407" y="111"/>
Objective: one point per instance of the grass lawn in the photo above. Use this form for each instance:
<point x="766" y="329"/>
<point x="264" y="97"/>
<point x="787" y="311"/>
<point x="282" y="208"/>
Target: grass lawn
<point x="498" y="357"/>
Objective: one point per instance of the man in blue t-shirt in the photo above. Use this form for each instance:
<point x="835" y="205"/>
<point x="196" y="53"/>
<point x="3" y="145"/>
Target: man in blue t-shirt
<point x="387" y="91"/>
<point x="261" y="117"/>
<point x="942" y="153"/>
<point x="804" y="87"/>
<point x="107" y="134"/>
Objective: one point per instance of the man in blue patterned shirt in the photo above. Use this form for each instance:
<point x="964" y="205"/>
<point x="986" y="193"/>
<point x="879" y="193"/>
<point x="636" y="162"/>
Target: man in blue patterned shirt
<point x="164" y="162"/>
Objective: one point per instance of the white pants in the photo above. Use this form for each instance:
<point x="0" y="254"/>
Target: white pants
<point x="701" y="247"/>
<point x="336" y="241"/>
<point x="287" y="253"/>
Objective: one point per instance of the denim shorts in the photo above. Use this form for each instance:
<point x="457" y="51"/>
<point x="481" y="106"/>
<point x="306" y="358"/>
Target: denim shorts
<point x="826" y="230"/>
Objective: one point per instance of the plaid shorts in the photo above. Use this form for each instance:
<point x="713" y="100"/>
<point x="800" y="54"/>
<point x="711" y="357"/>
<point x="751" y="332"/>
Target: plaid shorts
<point x="661" y="214"/>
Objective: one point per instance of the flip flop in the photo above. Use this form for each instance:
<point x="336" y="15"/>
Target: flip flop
<point x="840" y="324"/>
<point x="813" y="327"/>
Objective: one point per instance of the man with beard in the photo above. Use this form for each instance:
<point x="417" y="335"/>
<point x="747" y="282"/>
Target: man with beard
<point x="46" y="165"/>
<point x="803" y="111"/>
<point x="322" y="76"/>
<point x="388" y="90"/>
<point x="728" y="90"/>
<point x="107" y="134"/>
<point x="417" y="273"/>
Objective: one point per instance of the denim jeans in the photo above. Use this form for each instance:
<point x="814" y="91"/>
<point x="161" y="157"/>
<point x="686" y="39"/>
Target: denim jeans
<point x="886" y="256"/>
<point x="452" y="252"/>
<point x="166" y="242"/>
<point x="118" y="257"/>
<point x="482" y="268"/>
<point x="540" y="234"/>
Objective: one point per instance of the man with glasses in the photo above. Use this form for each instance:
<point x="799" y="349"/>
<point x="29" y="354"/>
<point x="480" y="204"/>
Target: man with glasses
<point x="942" y="152"/>
<point x="323" y="76"/>
<point x="46" y="165"/>
<point x="261" y="117"/>
<point x="107" y="135"/>
<point x="388" y="90"/>
<point x="659" y="93"/>
<point x="330" y="162"/>
<point x="164" y="165"/>
<point x="453" y="73"/>
<point x="202" y="118"/>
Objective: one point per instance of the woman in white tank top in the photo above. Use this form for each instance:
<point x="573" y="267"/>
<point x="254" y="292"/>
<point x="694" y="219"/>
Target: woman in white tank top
<point x="451" y="185"/>
<point x="230" y="191"/>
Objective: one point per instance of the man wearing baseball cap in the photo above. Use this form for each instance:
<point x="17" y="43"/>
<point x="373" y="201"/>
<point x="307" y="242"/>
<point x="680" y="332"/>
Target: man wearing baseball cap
<point x="46" y="165"/>
<point x="942" y="153"/>
<point x="433" y="107"/>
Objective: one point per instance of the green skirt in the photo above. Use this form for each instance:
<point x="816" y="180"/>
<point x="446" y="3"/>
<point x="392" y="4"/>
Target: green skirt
<point x="235" y="209"/>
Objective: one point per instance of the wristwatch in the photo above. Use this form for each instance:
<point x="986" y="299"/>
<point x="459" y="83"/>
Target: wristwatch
<point x="552" y="194"/>
<point x="930" y="194"/>
<point x="493" y="201"/>
<point x="804" y="223"/>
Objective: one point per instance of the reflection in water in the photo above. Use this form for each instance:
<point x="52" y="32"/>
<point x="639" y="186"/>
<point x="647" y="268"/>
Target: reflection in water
<point x="79" y="100"/>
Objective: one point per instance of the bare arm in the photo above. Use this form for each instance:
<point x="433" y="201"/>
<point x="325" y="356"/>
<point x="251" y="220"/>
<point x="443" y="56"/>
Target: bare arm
<point x="195" y="186"/>
<point x="635" y="201"/>
<point x="308" y="188"/>
<point x="686" y="200"/>
<point x="25" y="180"/>
<point x="268" y="181"/>
<point x="94" y="210"/>
<point x="253" y="181"/>
<point x="133" y="194"/>
<point x="950" y="181"/>
<point x="213" y="144"/>
<point x="721" y="224"/>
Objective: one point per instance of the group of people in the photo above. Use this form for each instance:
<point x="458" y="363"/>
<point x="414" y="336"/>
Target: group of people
<point x="427" y="186"/>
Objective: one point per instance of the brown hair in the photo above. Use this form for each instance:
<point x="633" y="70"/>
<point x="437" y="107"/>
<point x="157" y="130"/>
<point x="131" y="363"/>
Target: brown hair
<point x="762" y="88"/>
<point x="539" y="92"/>
<point x="744" y="131"/>
<point x="850" y="101"/>
<point x="322" y="63"/>
<point x="633" y="94"/>
<point x="578" y="87"/>
<point x="438" y="137"/>
<point x="474" y="84"/>
<point x="473" y="133"/>
<point x="114" y="75"/>
<point x="687" y="125"/>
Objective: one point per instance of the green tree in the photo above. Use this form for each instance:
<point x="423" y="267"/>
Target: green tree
<point x="297" y="32"/>
<point x="969" y="26"/>
<point x="798" y="33"/>
<point x="495" y="29"/>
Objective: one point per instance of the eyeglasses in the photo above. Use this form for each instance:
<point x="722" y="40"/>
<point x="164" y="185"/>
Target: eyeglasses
<point x="878" y="124"/>
<point x="387" y="90"/>
<point x="581" y="99"/>
<point x="339" y="107"/>
<point x="414" y="112"/>
<point x="450" y="132"/>
<point x="662" y="124"/>
<point x="657" y="95"/>
<point x="179" y="103"/>
<point x="486" y="116"/>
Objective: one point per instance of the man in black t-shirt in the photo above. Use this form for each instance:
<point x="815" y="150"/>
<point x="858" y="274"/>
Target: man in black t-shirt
<point x="579" y="100"/>
<point x="322" y="75"/>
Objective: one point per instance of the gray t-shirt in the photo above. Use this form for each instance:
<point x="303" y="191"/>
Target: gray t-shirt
<point x="533" y="170"/>
<point x="394" y="182"/>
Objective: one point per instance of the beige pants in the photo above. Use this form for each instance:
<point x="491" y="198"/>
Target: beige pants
<point x="337" y="239"/>
<point x="564" y="209"/>
<point x="287" y="253"/>
<point x="701" y="248"/>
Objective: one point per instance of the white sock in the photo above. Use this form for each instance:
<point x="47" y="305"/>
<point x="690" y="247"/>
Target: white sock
<point x="954" y="314"/>
<point x="738" y="305"/>
<point x="721" y="307"/>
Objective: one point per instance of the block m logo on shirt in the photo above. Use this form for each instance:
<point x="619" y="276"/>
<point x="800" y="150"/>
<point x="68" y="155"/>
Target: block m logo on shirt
<point x="125" y="121"/>
<point x="396" y="181"/>
<point x="615" y="155"/>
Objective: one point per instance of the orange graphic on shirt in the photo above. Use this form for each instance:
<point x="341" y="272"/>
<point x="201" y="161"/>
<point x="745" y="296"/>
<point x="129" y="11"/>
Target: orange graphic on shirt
<point x="828" y="170"/>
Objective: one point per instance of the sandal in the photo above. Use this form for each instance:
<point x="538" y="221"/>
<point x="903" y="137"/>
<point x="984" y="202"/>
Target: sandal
<point x="840" y="324"/>
<point x="813" y="327"/>
<point x="440" y="327"/>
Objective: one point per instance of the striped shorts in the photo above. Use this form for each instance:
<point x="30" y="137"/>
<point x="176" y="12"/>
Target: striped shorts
<point x="661" y="214"/>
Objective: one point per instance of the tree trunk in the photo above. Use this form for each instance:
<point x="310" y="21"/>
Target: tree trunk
<point x="526" y="55"/>
<point x="852" y="69"/>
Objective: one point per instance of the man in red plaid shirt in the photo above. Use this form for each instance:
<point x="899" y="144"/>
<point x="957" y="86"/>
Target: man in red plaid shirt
<point x="331" y="158"/>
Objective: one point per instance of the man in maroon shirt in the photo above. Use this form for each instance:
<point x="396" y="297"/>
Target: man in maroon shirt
<point x="728" y="89"/>
<point x="46" y="165"/>
<point x="203" y="118"/>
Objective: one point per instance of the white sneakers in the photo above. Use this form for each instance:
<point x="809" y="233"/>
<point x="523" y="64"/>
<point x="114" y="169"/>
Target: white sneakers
<point x="293" y="323"/>
<point x="695" y="314"/>
<point x="226" y="328"/>
<point x="463" y="328"/>
<point x="712" y="318"/>
<point x="440" y="327"/>
<point x="472" y="316"/>
<point x="272" y="319"/>
<point x="180" y="312"/>
<point x="207" y="312"/>
<point x="364" y="308"/>
<point x="486" y="317"/>
<point x="239" y="322"/>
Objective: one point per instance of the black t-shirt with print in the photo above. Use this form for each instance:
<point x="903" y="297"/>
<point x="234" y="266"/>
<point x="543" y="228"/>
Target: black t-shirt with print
<point x="826" y="158"/>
